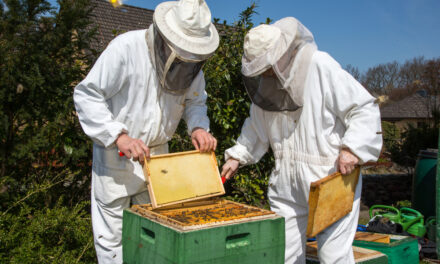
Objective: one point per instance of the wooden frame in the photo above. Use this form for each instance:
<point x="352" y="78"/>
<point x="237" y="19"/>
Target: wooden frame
<point x="157" y="215"/>
<point x="181" y="177"/>
<point x="373" y="237"/>
<point x="330" y="199"/>
<point x="361" y="255"/>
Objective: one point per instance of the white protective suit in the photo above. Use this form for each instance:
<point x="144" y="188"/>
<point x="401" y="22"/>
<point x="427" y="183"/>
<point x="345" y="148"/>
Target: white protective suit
<point x="336" y="112"/>
<point x="121" y="93"/>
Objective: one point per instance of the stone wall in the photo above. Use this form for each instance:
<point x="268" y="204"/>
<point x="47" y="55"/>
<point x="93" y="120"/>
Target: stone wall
<point x="386" y="189"/>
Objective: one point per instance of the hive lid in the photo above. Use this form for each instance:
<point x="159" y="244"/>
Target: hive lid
<point x="183" y="176"/>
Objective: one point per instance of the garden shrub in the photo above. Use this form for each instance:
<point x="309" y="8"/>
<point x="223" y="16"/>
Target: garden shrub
<point x="228" y="107"/>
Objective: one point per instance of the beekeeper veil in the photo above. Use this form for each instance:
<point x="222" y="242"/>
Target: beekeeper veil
<point x="180" y="40"/>
<point x="286" y="47"/>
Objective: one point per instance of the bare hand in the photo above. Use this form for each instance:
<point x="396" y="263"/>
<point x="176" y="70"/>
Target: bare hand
<point x="133" y="148"/>
<point x="230" y="168"/>
<point x="347" y="161"/>
<point x="203" y="141"/>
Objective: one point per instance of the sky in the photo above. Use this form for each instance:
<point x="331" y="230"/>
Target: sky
<point x="363" y="33"/>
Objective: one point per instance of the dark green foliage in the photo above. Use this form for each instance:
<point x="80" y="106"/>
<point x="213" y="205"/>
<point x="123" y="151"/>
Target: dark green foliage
<point x="413" y="139"/>
<point x="58" y="235"/>
<point x="391" y="135"/>
<point x="44" y="154"/>
<point x="43" y="57"/>
<point x="45" y="157"/>
<point x="228" y="107"/>
<point x="405" y="147"/>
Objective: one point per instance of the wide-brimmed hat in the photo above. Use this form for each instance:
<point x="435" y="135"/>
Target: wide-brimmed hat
<point x="265" y="44"/>
<point x="186" y="24"/>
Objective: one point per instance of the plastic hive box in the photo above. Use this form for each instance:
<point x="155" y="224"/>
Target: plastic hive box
<point x="186" y="222"/>
<point x="166" y="236"/>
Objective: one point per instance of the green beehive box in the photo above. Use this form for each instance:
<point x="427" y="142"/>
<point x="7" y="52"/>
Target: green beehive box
<point x="155" y="239"/>
<point x="401" y="249"/>
<point x="180" y="227"/>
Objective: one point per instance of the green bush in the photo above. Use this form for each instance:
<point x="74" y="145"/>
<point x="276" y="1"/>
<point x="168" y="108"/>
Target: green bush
<point x="403" y="203"/>
<point x="44" y="154"/>
<point x="44" y="53"/>
<point x="391" y="135"/>
<point x="53" y="235"/>
<point x="45" y="157"/>
<point x="228" y="107"/>
<point x="413" y="139"/>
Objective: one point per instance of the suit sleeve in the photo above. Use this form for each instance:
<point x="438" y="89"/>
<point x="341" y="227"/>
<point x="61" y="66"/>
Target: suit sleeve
<point x="195" y="112"/>
<point x="357" y="109"/>
<point x="104" y="80"/>
<point x="253" y="141"/>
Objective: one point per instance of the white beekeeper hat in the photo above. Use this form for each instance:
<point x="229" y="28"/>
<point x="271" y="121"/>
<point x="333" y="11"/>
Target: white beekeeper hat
<point x="287" y="47"/>
<point x="265" y="44"/>
<point x="186" y="24"/>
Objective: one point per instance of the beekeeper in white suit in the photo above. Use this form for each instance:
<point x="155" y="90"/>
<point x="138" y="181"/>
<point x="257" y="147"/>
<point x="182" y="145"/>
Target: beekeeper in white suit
<point x="132" y="100"/>
<point x="316" y="118"/>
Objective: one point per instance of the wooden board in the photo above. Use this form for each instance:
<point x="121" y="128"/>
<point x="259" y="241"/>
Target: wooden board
<point x="184" y="176"/>
<point x="360" y="254"/>
<point x="372" y="237"/>
<point x="202" y="214"/>
<point x="330" y="199"/>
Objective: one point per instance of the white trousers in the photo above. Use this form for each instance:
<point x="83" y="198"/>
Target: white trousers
<point x="107" y="226"/>
<point x="334" y="243"/>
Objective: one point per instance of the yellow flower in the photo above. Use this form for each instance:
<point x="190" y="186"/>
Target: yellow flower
<point x="116" y="3"/>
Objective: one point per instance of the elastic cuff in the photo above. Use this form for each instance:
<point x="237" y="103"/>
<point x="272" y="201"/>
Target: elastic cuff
<point x="240" y="153"/>
<point x="203" y="124"/>
<point x="115" y="130"/>
<point x="354" y="152"/>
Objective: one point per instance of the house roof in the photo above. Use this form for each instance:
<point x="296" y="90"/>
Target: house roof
<point x="416" y="106"/>
<point x="111" y="21"/>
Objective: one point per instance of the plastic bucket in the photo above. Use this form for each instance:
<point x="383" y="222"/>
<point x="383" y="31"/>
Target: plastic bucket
<point x="424" y="180"/>
<point x="412" y="222"/>
<point x="389" y="212"/>
<point x="431" y="228"/>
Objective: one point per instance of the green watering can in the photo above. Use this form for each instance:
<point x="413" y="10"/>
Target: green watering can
<point x="431" y="228"/>
<point x="389" y="212"/>
<point x="412" y="221"/>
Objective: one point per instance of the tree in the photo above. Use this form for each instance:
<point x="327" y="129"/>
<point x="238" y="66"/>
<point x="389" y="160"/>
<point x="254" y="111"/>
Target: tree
<point x="393" y="79"/>
<point x="354" y="71"/>
<point x="414" y="139"/>
<point x="411" y="71"/>
<point x="431" y="84"/>
<point x="228" y="107"/>
<point x="43" y="57"/>
<point x="382" y="79"/>
<point x="44" y="154"/>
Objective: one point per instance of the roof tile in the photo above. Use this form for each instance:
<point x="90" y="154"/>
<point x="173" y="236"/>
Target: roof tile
<point x="112" y="21"/>
<point x="414" y="106"/>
